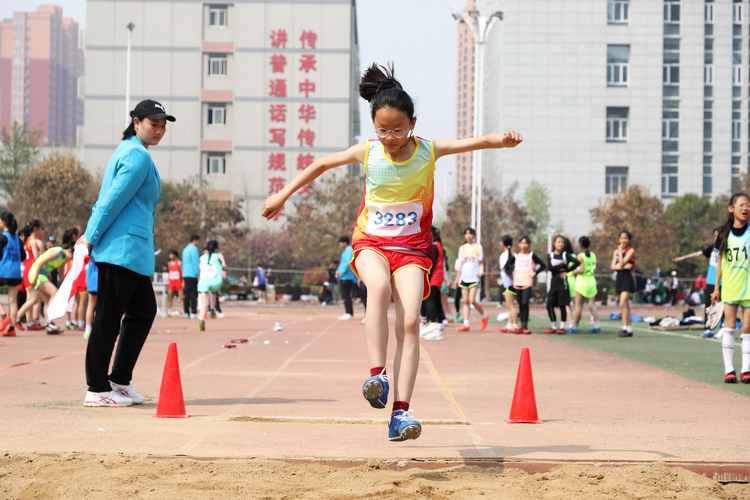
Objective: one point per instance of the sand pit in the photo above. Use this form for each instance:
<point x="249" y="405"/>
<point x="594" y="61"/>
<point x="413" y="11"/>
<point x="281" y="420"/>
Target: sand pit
<point x="114" y="477"/>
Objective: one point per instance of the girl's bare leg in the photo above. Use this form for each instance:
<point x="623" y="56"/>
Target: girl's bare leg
<point x="592" y="308"/>
<point x="204" y="305"/>
<point x="90" y="307"/>
<point x="13" y="305"/>
<point x="579" y="308"/>
<point x="473" y="299"/>
<point x="32" y="299"/>
<point x="465" y="309"/>
<point x="510" y="305"/>
<point x="408" y="290"/>
<point x="375" y="273"/>
<point x="625" y="308"/>
<point x="36" y="313"/>
<point x="48" y="291"/>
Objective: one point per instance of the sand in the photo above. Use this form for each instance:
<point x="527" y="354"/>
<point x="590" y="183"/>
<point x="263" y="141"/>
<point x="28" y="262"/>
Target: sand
<point x="114" y="477"/>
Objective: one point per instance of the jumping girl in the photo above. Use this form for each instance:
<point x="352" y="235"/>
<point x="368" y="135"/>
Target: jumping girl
<point x="212" y="275"/>
<point x="559" y="263"/>
<point x="586" y="285"/>
<point x="506" y="276"/>
<point x="526" y="266"/>
<point x="711" y="252"/>
<point x="623" y="261"/>
<point x="468" y="278"/>
<point x="10" y="271"/>
<point x="392" y="243"/>
<point x="732" y="274"/>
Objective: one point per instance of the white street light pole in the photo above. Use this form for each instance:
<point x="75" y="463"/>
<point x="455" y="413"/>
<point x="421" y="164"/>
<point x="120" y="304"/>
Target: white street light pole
<point x="130" y="27"/>
<point x="480" y="25"/>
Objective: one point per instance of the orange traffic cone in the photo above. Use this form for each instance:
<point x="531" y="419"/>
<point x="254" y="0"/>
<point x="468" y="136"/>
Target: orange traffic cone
<point x="171" y="403"/>
<point x="523" y="409"/>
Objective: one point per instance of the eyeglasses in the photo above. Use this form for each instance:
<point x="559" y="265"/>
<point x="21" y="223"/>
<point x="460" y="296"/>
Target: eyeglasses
<point x="397" y="133"/>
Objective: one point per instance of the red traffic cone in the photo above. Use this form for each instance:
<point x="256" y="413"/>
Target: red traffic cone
<point x="171" y="403"/>
<point x="523" y="409"/>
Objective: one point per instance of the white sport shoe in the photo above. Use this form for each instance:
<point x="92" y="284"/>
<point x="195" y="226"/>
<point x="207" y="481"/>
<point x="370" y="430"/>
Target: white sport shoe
<point x="362" y="322"/>
<point x="346" y="317"/>
<point x="434" y="332"/>
<point x="194" y="316"/>
<point x="220" y="315"/>
<point x="127" y="391"/>
<point x="106" y="399"/>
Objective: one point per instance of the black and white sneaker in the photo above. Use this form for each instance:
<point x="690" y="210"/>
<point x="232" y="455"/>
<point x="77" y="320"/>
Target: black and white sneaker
<point x="53" y="329"/>
<point x="624" y="333"/>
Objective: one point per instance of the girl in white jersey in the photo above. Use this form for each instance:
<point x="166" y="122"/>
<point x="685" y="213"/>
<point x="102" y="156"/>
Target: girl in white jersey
<point x="469" y="276"/>
<point x="526" y="265"/>
<point x="392" y="243"/>
<point x="732" y="273"/>
<point x="506" y="276"/>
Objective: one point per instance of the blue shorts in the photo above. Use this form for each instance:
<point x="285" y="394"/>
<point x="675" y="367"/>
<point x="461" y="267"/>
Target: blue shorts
<point x="92" y="277"/>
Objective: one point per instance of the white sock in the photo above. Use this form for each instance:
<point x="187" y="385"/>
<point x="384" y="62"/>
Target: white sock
<point x="727" y="344"/>
<point x="68" y="322"/>
<point x="596" y="324"/>
<point x="745" y="352"/>
<point x="629" y="329"/>
<point x="466" y="322"/>
<point x="81" y="323"/>
<point x="88" y="328"/>
<point x="554" y="326"/>
<point x="484" y="314"/>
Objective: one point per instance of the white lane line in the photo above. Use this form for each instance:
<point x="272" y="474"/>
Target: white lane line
<point x="683" y="335"/>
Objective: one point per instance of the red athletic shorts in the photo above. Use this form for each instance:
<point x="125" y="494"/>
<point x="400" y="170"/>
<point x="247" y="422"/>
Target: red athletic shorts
<point x="397" y="261"/>
<point x="79" y="286"/>
<point x="175" y="285"/>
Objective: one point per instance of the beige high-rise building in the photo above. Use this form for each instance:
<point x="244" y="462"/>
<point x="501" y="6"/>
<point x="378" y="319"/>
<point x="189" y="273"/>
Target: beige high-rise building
<point x="464" y="102"/>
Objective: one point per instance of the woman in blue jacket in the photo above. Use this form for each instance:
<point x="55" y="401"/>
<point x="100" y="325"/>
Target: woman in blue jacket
<point x="120" y="236"/>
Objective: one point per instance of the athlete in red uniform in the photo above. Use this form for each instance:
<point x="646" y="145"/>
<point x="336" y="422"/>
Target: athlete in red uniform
<point x="175" y="280"/>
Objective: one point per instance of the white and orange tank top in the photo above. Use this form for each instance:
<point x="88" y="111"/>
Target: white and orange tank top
<point x="523" y="271"/>
<point x="396" y="209"/>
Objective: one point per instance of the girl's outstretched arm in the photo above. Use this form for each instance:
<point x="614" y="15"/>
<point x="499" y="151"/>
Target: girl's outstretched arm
<point x="509" y="139"/>
<point x="275" y="203"/>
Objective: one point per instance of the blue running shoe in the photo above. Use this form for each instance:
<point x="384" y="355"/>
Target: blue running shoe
<point x="595" y="330"/>
<point x="572" y="330"/>
<point x="403" y="426"/>
<point x="708" y="334"/>
<point x="375" y="390"/>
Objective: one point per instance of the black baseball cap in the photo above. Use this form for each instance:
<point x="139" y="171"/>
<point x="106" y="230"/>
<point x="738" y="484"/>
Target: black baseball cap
<point x="151" y="109"/>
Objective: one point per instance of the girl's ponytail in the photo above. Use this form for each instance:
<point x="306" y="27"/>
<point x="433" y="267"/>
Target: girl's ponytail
<point x="508" y="242"/>
<point x="585" y="243"/>
<point x="379" y="87"/>
<point x="10" y="222"/>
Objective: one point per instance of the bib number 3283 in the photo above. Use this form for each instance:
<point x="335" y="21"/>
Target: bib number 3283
<point x="394" y="219"/>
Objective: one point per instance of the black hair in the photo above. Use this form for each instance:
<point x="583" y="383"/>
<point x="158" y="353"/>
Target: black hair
<point x="382" y="90"/>
<point x="10" y="222"/>
<point x="174" y="252"/>
<point x="568" y="246"/>
<point x="68" y="236"/>
<point x="585" y="243"/>
<point x="528" y="240"/>
<point x="470" y="230"/>
<point x="435" y="234"/>
<point x="33" y="224"/>
<point x="130" y="131"/>
<point x="212" y="246"/>
<point x="630" y="236"/>
<point x="24" y="232"/>
<point x="194" y="237"/>
<point x="69" y="246"/>
<point x="344" y="239"/>
<point x="508" y="242"/>
<point x="721" y="241"/>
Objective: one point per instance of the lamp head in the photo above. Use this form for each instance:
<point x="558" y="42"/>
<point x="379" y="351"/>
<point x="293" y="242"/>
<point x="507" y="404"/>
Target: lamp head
<point x="130" y="26"/>
<point x="474" y="13"/>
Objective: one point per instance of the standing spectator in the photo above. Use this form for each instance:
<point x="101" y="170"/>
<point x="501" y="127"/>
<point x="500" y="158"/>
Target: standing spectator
<point x="334" y="284"/>
<point x="120" y="238"/>
<point x="190" y="258"/>
<point x="345" y="276"/>
<point x="658" y="273"/>
<point x="10" y="271"/>
<point x="674" y="288"/>
<point x="260" y="282"/>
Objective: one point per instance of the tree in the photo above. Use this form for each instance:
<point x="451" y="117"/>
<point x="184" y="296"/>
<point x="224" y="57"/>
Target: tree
<point x="501" y="215"/>
<point x="273" y="248"/>
<point x="319" y="219"/>
<point x="17" y="154"/>
<point x="694" y="218"/>
<point x="537" y="201"/>
<point x="634" y="210"/>
<point x="188" y="210"/>
<point x="59" y="191"/>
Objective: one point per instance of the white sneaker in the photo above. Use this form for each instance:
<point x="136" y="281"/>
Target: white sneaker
<point x="434" y="332"/>
<point x="277" y="326"/>
<point x="127" y="391"/>
<point x="106" y="399"/>
<point x="423" y="330"/>
<point x="362" y="322"/>
<point x="194" y="316"/>
<point x="346" y="317"/>
<point x="220" y="315"/>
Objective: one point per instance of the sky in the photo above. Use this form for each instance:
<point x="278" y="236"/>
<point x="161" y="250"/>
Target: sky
<point x="418" y="36"/>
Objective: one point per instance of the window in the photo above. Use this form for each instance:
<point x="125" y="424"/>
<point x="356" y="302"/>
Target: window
<point x="18" y="61"/>
<point x="17" y="81"/>
<point x="737" y="13"/>
<point x="617" y="124"/>
<point x="216" y="164"/>
<point x="18" y="41"/>
<point x="217" y="65"/>
<point x="18" y="70"/>
<point x="736" y="130"/>
<point x="617" y="64"/>
<point x="708" y="74"/>
<point x="17" y="90"/>
<point x="618" y="11"/>
<point x="17" y="51"/>
<point x="707" y="130"/>
<point x="217" y="115"/>
<point x="18" y="100"/>
<point x="217" y="16"/>
<point x="709" y="13"/>
<point x="736" y="74"/>
<point x="17" y="111"/>
<point x="671" y="74"/>
<point x="18" y="31"/>
<point x="671" y="12"/>
<point x="616" y="179"/>
<point x="669" y="176"/>
<point x="670" y="125"/>
<point x="18" y="21"/>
